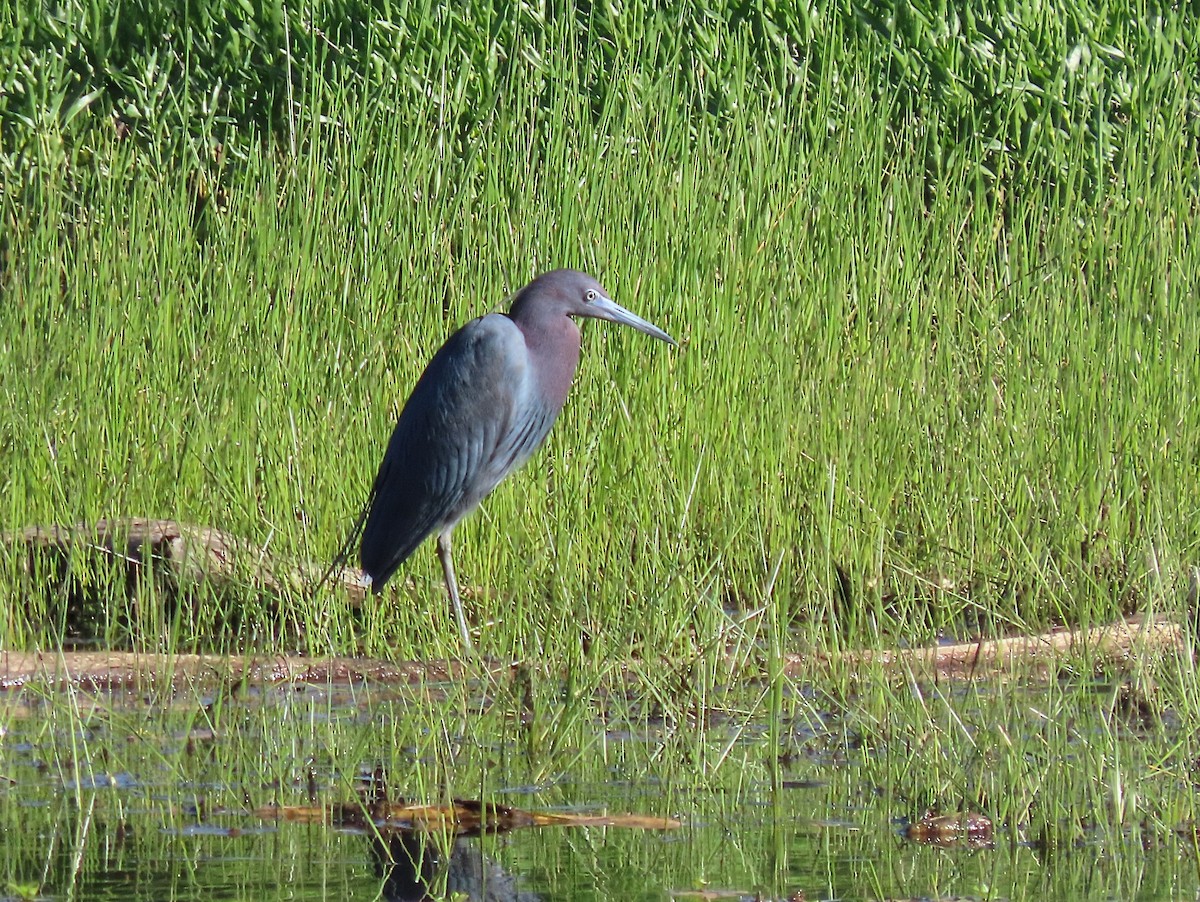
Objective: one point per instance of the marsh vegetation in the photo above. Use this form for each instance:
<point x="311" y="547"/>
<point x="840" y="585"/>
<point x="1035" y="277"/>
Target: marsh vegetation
<point x="934" y="278"/>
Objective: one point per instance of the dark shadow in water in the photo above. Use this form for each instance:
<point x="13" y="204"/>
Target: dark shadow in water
<point x="411" y="863"/>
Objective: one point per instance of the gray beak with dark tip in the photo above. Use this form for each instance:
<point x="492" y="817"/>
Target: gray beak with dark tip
<point x="606" y="308"/>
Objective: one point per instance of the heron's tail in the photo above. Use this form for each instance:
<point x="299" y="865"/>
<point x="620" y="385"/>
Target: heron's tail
<point x="347" y="549"/>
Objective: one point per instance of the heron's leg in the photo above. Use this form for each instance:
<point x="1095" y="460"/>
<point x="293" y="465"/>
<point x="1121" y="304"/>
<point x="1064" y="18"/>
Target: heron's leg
<point x="443" y="547"/>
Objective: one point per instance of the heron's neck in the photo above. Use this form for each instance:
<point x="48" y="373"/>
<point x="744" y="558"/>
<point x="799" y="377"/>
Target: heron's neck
<point x="553" y="343"/>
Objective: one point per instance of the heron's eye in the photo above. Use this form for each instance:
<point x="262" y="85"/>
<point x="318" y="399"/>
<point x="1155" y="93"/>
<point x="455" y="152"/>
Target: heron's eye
<point x="590" y="295"/>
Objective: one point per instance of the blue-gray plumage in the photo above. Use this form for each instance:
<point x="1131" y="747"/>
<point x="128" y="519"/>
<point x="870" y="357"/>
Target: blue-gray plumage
<point x="484" y="404"/>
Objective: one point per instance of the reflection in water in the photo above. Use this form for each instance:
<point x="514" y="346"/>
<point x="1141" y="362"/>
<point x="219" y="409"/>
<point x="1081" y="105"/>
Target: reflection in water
<point x="411" y="863"/>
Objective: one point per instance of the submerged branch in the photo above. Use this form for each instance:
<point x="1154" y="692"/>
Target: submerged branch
<point x="462" y="816"/>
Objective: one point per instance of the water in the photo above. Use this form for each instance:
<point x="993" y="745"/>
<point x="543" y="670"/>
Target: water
<point x="125" y="797"/>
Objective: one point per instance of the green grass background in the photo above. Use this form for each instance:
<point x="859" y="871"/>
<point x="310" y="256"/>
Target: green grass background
<point x="937" y="315"/>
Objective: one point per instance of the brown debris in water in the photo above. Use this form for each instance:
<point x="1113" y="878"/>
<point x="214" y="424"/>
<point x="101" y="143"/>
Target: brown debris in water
<point x="965" y="828"/>
<point x="461" y="817"/>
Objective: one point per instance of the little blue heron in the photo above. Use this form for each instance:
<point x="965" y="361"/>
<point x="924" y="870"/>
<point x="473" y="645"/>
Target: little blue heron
<point x="484" y="404"/>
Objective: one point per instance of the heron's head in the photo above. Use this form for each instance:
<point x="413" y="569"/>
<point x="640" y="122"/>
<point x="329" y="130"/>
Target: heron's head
<point x="575" y="293"/>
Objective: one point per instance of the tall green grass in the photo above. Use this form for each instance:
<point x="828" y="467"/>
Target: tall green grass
<point x="1035" y="92"/>
<point x="900" y="406"/>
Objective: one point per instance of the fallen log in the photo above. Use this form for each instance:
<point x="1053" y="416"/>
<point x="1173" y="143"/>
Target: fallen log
<point x="1044" y="653"/>
<point x="185" y="555"/>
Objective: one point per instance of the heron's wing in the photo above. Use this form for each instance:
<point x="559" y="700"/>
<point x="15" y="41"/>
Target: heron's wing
<point x="469" y="421"/>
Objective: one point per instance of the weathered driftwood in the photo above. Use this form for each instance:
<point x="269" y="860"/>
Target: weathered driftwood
<point x="1033" y="656"/>
<point x="188" y="555"/>
<point x="1044" y="654"/>
<point x="140" y="670"/>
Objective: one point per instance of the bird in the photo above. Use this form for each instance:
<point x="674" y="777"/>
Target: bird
<point x="484" y="404"/>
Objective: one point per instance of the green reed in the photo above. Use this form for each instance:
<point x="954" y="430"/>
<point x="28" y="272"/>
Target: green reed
<point x="900" y="407"/>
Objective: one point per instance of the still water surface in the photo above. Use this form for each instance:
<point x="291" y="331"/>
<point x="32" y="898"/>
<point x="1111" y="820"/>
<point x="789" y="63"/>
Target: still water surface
<point x="121" y="797"/>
